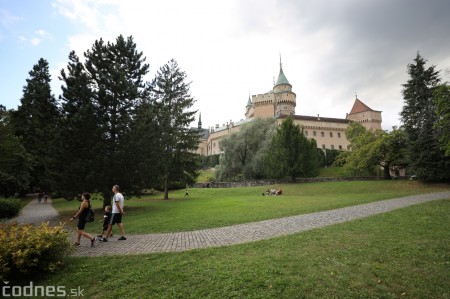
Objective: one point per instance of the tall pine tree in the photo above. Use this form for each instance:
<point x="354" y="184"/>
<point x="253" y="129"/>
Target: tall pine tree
<point x="117" y="73"/>
<point x="426" y="158"/>
<point x="15" y="163"/>
<point x="78" y="137"/>
<point x="35" y="122"/>
<point x="177" y="142"/>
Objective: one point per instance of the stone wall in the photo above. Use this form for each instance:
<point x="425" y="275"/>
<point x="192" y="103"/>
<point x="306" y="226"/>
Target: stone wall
<point x="275" y="182"/>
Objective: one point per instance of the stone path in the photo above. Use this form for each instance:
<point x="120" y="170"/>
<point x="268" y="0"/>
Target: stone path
<point x="36" y="213"/>
<point x="242" y="233"/>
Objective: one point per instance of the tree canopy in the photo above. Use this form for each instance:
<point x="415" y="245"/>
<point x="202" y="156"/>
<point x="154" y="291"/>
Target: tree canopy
<point x="371" y="150"/>
<point x="291" y="154"/>
<point x="426" y="156"/>
<point x="176" y="142"/>
<point x="35" y="122"/>
<point x="244" y="151"/>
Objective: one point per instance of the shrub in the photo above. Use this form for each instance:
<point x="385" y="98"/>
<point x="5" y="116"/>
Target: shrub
<point x="9" y="207"/>
<point x="27" y="250"/>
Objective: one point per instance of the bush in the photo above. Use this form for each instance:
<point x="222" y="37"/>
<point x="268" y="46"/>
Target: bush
<point x="27" y="250"/>
<point x="9" y="207"/>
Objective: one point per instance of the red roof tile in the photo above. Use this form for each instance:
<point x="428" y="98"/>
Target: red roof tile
<point x="359" y="106"/>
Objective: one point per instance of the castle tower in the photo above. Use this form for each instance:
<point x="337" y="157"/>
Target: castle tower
<point x="369" y="118"/>
<point x="249" y="109"/>
<point x="279" y="101"/>
<point x="285" y="100"/>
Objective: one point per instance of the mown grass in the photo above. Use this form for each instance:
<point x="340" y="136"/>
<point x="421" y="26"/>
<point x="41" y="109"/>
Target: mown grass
<point x="400" y="254"/>
<point x="330" y="172"/>
<point x="206" y="175"/>
<point x="211" y="207"/>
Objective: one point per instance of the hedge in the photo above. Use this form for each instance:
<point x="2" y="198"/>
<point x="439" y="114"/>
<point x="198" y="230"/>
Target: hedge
<point x="9" y="207"/>
<point x="27" y="250"/>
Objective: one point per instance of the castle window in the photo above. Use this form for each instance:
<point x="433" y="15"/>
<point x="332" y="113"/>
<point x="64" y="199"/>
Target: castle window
<point x="314" y="133"/>
<point x="340" y="147"/>
<point x="339" y="135"/>
<point x="331" y="134"/>
<point x="323" y="146"/>
<point x="322" y="134"/>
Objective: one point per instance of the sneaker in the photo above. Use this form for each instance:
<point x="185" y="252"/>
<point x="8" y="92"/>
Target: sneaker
<point x="104" y="240"/>
<point x="76" y="244"/>
<point x="122" y="238"/>
<point x="93" y="241"/>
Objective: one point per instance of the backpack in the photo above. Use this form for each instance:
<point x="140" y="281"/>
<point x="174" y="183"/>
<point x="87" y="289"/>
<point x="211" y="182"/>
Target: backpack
<point x="90" y="215"/>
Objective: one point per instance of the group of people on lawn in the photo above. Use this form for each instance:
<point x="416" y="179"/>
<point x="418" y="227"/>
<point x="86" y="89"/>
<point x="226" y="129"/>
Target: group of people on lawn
<point x="272" y="191"/>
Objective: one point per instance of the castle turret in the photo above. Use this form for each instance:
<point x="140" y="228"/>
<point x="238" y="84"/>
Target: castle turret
<point x="200" y="121"/>
<point x="369" y="118"/>
<point x="285" y="100"/>
<point x="249" y="109"/>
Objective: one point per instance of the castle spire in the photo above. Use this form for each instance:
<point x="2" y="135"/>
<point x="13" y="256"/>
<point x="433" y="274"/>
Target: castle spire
<point x="281" y="66"/>
<point x="281" y="77"/>
<point x="200" y="121"/>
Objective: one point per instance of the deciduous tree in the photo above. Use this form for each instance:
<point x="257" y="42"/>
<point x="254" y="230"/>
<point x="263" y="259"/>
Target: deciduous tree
<point x="244" y="151"/>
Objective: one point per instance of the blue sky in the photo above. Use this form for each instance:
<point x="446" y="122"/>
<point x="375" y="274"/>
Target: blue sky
<point x="330" y="49"/>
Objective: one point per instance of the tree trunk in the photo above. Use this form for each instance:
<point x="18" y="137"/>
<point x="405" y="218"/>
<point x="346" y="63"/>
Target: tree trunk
<point x="166" y="190"/>
<point x="387" y="174"/>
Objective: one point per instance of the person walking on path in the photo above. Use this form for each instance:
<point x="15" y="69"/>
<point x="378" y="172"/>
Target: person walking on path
<point x="105" y="222"/>
<point x="82" y="215"/>
<point x="186" y="193"/>
<point x="117" y="212"/>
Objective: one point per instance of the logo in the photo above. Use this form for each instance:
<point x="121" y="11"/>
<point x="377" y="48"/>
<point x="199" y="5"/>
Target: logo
<point x="32" y="290"/>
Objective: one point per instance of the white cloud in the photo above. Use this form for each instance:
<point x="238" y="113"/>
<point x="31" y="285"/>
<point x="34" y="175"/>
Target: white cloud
<point x="231" y="48"/>
<point x="7" y="19"/>
<point x="35" y="41"/>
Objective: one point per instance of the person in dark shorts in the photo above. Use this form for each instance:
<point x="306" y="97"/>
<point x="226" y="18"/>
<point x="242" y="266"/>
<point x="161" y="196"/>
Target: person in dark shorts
<point x="117" y="212"/>
<point x="82" y="213"/>
<point x="105" y="222"/>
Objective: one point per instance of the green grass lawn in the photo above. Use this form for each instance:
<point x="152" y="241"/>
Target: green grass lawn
<point x="206" y="175"/>
<point x="400" y="254"/>
<point x="214" y="207"/>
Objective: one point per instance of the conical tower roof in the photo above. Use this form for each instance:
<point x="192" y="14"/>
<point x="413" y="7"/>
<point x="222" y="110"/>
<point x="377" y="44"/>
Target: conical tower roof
<point x="249" y="102"/>
<point x="281" y="77"/>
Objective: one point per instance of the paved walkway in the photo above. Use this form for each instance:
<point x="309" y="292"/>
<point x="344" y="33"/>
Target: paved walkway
<point x="242" y="233"/>
<point x="36" y="213"/>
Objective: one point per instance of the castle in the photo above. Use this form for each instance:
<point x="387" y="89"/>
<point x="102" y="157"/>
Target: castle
<point x="280" y="103"/>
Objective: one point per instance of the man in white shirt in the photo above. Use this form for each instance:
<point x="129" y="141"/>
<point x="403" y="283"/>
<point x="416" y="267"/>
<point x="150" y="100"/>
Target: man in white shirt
<point x="117" y="212"/>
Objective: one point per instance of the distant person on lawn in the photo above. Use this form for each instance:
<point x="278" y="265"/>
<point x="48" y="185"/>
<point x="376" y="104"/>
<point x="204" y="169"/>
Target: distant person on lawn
<point x="117" y="212"/>
<point x="82" y="213"/>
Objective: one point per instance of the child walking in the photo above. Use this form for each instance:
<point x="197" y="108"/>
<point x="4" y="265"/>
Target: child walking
<point x="105" y="221"/>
